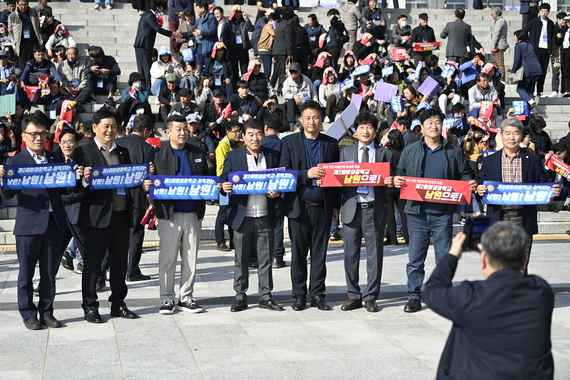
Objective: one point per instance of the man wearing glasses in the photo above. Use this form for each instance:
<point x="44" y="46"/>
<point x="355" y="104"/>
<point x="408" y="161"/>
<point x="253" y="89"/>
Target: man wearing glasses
<point x="227" y="144"/>
<point x="39" y="226"/>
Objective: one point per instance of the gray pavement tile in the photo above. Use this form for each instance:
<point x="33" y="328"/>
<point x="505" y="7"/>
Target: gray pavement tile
<point x="246" y="370"/>
<point x="381" y="368"/>
<point x="87" y="373"/>
<point x="22" y="374"/>
<point x="383" y="349"/>
<point x="332" y="331"/>
<point x="286" y="351"/>
<point x="319" y="369"/>
<point x="230" y="354"/>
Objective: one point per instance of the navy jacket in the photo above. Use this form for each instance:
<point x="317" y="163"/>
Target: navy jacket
<point x="226" y="69"/>
<point x="33" y="205"/>
<point x="501" y="326"/>
<point x="315" y="32"/>
<point x="236" y="161"/>
<point x="532" y="172"/>
<point x="525" y="55"/>
<point x="534" y="29"/>
<point x="147" y="29"/>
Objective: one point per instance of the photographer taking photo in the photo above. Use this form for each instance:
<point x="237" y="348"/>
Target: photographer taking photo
<point x="501" y="326"/>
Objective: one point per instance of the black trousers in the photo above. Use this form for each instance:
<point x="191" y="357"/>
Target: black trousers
<point x="281" y="61"/>
<point x="26" y="51"/>
<point x="136" y="242"/>
<point x="83" y="95"/>
<point x="309" y="231"/>
<point x="109" y="84"/>
<point x="544" y="59"/>
<point x="144" y="60"/>
<point x="566" y="69"/>
<point x="115" y="238"/>
<point x="393" y="198"/>
<point x="221" y="220"/>
<point x="530" y="15"/>
<point x="335" y="55"/>
<point x="32" y="249"/>
<point x="278" y="234"/>
<point x="292" y="111"/>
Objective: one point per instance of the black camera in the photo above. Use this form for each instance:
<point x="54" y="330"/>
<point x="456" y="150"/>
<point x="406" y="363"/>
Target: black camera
<point x="473" y="229"/>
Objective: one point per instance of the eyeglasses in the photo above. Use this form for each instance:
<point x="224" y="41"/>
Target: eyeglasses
<point x="34" y="135"/>
<point x="236" y="131"/>
<point x="66" y="143"/>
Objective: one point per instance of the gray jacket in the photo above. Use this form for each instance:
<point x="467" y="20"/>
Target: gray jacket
<point x="305" y="88"/>
<point x="69" y="73"/>
<point x="411" y="166"/>
<point x="459" y="35"/>
<point x="499" y="34"/>
<point x="350" y="16"/>
<point x="15" y="28"/>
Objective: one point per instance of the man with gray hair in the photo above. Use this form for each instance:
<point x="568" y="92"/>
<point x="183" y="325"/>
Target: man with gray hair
<point x="514" y="165"/>
<point x="499" y="40"/>
<point x="483" y="337"/>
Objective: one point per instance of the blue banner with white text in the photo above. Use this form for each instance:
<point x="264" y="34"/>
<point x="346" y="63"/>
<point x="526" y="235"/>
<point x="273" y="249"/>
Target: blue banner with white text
<point x="48" y="176"/>
<point x="184" y="187"/>
<point x="261" y="182"/>
<point x="118" y="176"/>
<point x="517" y="194"/>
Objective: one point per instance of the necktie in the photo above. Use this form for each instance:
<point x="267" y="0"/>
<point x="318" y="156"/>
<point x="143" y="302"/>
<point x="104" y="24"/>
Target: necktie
<point x="365" y="154"/>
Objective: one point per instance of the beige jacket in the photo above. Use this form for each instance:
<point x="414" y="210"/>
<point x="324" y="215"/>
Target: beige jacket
<point x="15" y="28"/>
<point x="266" y="39"/>
<point x="350" y="16"/>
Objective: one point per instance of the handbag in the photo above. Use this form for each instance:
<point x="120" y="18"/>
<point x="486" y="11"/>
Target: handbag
<point x="518" y="75"/>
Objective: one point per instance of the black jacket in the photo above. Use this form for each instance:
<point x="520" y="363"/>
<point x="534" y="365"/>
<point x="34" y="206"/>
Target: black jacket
<point x="284" y="40"/>
<point x="534" y="29"/>
<point x="336" y="35"/>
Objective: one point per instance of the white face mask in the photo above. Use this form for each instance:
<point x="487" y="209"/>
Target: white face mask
<point x="377" y="22"/>
<point x="403" y="24"/>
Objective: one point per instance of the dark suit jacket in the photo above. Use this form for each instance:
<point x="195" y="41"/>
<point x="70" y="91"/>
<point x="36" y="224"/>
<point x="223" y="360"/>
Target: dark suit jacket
<point x="236" y="161"/>
<point x="534" y="29"/>
<point x="97" y="205"/>
<point x="501" y="326"/>
<point x="525" y="6"/>
<point x="166" y="163"/>
<point x="33" y="205"/>
<point x="532" y="172"/>
<point x="284" y="41"/>
<point x="294" y="157"/>
<point x="459" y="35"/>
<point x="147" y="29"/>
<point x="140" y="152"/>
<point x="349" y="194"/>
<point x="226" y="35"/>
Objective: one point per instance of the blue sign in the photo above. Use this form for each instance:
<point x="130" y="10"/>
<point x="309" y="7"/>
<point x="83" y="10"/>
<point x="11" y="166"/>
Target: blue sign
<point x="261" y="182"/>
<point x="184" y="187"/>
<point x="517" y="194"/>
<point x="48" y="176"/>
<point x="118" y="176"/>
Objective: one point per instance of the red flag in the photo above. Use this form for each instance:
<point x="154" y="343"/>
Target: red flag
<point x="228" y="111"/>
<point x="557" y="165"/>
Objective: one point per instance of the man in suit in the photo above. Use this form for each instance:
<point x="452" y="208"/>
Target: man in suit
<point x="431" y="157"/>
<point x="252" y="217"/>
<point x="514" y="165"/>
<point x="150" y="23"/>
<point x="180" y="221"/>
<point x="311" y="208"/>
<point x="284" y="45"/>
<point x="541" y="37"/>
<point x="38" y="229"/>
<point x="140" y="152"/>
<point x="364" y="213"/>
<point x="529" y="11"/>
<point x="459" y="35"/>
<point x="504" y="319"/>
<point x="105" y="219"/>
<point x="499" y="40"/>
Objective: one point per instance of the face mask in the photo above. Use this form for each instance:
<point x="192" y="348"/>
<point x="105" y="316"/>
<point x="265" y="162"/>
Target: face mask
<point x="377" y="22"/>
<point x="403" y="24"/>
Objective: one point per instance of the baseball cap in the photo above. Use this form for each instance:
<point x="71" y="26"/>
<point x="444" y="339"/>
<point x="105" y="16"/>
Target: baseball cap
<point x="423" y="16"/>
<point x="193" y="118"/>
<point x="171" y="77"/>
<point x="4" y="53"/>
<point x="218" y="92"/>
<point x="294" y="67"/>
<point x="185" y="92"/>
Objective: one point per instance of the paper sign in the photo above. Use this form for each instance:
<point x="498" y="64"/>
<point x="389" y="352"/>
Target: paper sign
<point x="355" y="174"/>
<point x="486" y="110"/>
<point x="558" y="166"/>
<point x="8" y="103"/>
<point x="357" y="100"/>
<point x="436" y="190"/>
<point x="261" y="182"/>
<point x="48" y="176"/>
<point x="397" y="104"/>
<point x="427" y="46"/>
<point x="399" y="54"/>
<point x="385" y="91"/>
<point x="343" y="122"/>
<point x="154" y="141"/>
<point x="362" y="69"/>
<point x="387" y="71"/>
<point x="118" y="176"/>
<point x="519" y="194"/>
<point x="184" y="187"/>
<point x="430" y="86"/>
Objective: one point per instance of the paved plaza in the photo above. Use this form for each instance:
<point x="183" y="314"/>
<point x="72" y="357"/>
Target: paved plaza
<point x="255" y="343"/>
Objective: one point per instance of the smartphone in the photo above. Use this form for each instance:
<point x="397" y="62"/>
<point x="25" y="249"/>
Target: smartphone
<point x="473" y="229"/>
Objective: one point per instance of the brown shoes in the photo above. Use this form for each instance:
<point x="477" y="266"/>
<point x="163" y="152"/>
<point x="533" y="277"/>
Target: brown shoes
<point x="223" y="247"/>
<point x="351" y="304"/>
<point x="370" y="306"/>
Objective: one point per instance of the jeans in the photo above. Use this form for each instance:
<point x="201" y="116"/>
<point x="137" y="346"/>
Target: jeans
<point x="158" y="85"/>
<point x="189" y="82"/>
<point x="525" y="88"/>
<point x="74" y="252"/>
<point x="335" y="226"/>
<point x="419" y="228"/>
<point x="107" y="2"/>
<point x="317" y="84"/>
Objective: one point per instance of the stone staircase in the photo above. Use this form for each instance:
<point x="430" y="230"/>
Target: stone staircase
<point x="115" y="30"/>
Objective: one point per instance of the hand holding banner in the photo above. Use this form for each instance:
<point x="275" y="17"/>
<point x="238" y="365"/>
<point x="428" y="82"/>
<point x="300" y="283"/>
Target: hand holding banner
<point x="263" y="181"/>
<point x="517" y="194"/>
<point x="557" y="165"/>
<point x="48" y="176"/>
<point x="355" y="174"/>
<point x="117" y="176"/>
<point x="436" y="190"/>
<point x="184" y="187"/>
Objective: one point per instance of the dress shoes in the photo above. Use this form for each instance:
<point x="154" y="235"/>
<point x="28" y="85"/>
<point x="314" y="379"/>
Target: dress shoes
<point x="413" y="305"/>
<point x="371" y="306"/>
<point x="239" y="305"/>
<point x="36" y="291"/>
<point x="223" y="247"/>
<point x="67" y="261"/>
<point x="138" y="277"/>
<point x="32" y="324"/>
<point x="300" y="303"/>
<point x="123" y="312"/>
<point x="351" y="304"/>
<point x="320" y="303"/>
<point x="279" y="263"/>
<point x="253" y="264"/>
<point x="50" y="321"/>
<point x="270" y="304"/>
<point x="100" y="286"/>
<point x="93" y="316"/>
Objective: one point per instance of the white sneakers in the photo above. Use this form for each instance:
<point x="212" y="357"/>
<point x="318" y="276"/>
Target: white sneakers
<point x="554" y="94"/>
<point x="532" y="103"/>
<point x="96" y="7"/>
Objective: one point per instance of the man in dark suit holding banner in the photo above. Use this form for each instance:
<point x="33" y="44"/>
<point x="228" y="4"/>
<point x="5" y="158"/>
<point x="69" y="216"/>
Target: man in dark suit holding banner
<point x="40" y="222"/>
<point x="514" y="165"/>
<point x="252" y="217"/>
<point x="105" y="218"/>
<point x="364" y="213"/>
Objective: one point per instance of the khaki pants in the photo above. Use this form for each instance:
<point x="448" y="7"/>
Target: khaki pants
<point x="499" y="61"/>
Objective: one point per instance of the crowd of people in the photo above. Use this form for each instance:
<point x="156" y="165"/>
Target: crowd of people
<point x="227" y="110"/>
